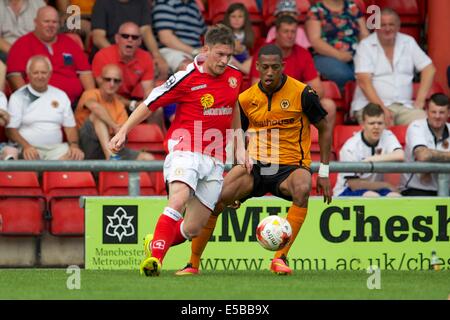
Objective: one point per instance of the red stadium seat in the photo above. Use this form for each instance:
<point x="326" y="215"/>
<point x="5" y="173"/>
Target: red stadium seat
<point x="400" y="132"/>
<point x="435" y="88"/>
<point x="63" y="191"/>
<point x="331" y="91"/>
<point x="157" y="178"/>
<point x="147" y="137"/>
<point x="116" y="183"/>
<point x="341" y="134"/>
<point x="22" y="204"/>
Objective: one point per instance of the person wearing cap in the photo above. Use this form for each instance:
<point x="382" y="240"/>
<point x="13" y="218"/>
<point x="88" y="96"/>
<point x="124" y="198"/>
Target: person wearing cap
<point x="289" y="7"/>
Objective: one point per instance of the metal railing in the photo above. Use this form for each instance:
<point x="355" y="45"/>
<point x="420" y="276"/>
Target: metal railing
<point x="134" y="167"/>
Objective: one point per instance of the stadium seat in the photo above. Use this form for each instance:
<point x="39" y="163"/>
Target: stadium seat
<point x="63" y="191"/>
<point x="22" y="204"/>
<point x="400" y="132"/>
<point x="116" y="183"/>
<point x="269" y="7"/>
<point x="341" y="134"/>
<point x="331" y="91"/>
<point x="147" y="137"/>
<point x="435" y="88"/>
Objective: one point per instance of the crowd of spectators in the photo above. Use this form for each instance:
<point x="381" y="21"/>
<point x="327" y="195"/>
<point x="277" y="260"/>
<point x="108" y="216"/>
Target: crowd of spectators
<point x="84" y="82"/>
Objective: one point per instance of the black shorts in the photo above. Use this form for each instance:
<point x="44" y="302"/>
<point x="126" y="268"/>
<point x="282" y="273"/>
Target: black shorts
<point x="263" y="183"/>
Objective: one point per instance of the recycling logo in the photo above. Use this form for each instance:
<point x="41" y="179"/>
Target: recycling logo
<point x="120" y="224"/>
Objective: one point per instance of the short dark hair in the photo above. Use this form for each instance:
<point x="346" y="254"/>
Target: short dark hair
<point x="270" y="49"/>
<point x="372" y="110"/>
<point x="284" y="18"/>
<point x="440" y="99"/>
<point x="219" y="34"/>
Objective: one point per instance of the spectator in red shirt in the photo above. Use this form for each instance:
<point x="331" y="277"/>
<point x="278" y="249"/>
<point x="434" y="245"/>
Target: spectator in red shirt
<point x="298" y="62"/>
<point x="136" y="64"/>
<point x="71" y="69"/>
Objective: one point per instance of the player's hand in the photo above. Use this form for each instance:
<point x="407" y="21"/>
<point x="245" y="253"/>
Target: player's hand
<point x="243" y="158"/>
<point x="323" y="187"/>
<point x="117" y="142"/>
<point x="248" y="164"/>
<point x="235" y="205"/>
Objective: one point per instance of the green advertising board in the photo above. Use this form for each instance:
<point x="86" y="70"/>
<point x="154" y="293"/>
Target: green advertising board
<point x="349" y="234"/>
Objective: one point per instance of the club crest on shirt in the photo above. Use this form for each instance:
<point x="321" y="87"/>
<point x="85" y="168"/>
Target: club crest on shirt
<point x="207" y="100"/>
<point x="232" y="81"/>
<point x="284" y="104"/>
<point x="55" y="104"/>
<point x="445" y="144"/>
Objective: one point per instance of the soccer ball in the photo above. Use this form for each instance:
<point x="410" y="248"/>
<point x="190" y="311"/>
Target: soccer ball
<point x="273" y="233"/>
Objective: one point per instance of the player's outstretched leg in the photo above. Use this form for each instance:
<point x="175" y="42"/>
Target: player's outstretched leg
<point x="296" y="217"/>
<point x="168" y="232"/>
<point x="150" y="266"/>
<point x="197" y="247"/>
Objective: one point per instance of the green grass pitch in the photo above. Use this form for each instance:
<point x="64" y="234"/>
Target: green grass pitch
<point x="224" y="285"/>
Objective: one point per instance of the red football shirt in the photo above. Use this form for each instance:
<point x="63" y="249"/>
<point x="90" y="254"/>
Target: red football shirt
<point x="66" y="56"/>
<point x="204" y="111"/>
<point x="137" y="70"/>
<point x="298" y="65"/>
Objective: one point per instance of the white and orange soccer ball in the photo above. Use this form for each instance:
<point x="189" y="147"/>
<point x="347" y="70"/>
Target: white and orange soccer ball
<point x="273" y="233"/>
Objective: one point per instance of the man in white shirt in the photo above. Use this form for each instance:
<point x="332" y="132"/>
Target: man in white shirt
<point x="6" y="152"/>
<point x="375" y="144"/>
<point x="427" y="140"/>
<point x="384" y="66"/>
<point x="38" y="113"/>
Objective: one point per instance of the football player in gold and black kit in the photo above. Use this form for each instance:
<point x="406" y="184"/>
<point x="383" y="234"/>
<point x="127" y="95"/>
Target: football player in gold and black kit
<point x="277" y="113"/>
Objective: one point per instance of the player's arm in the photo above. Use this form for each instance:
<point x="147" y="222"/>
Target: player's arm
<point x="137" y="116"/>
<point x="241" y="154"/>
<point x="317" y="116"/>
<point x="424" y="154"/>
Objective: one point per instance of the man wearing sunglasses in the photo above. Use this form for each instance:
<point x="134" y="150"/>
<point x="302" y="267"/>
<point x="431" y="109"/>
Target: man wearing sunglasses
<point x="100" y="114"/>
<point x="109" y="15"/>
<point x="136" y="64"/>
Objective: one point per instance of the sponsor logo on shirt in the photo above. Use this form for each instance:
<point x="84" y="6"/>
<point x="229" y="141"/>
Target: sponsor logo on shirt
<point x="202" y="86"/>
<point x="278" y="122"/>
<point x="223" y="111"/>
<point x="207" y="101"/>
<point x="170" y="81"/>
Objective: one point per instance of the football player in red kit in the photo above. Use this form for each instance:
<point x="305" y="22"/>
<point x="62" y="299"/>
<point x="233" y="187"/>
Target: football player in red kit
<point x="206" y="94"/>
